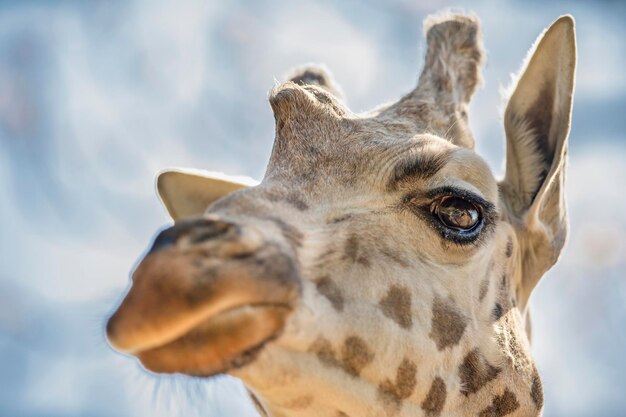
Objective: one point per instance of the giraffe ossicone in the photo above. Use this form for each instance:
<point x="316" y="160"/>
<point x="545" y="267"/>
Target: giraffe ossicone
<point x="379" y="268"/>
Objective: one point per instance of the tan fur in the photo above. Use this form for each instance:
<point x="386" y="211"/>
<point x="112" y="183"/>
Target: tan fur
<point x="331" y="288"/>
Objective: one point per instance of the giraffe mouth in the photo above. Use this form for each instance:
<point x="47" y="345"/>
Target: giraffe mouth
<point x="228" y="340"/>
<point x="198" y="312"/>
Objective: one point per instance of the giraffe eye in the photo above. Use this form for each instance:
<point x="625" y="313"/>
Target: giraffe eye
<point x="456" y="213"/>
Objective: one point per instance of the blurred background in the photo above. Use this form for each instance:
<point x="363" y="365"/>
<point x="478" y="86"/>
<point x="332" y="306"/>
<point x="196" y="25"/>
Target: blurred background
<point x="97" y="96"/>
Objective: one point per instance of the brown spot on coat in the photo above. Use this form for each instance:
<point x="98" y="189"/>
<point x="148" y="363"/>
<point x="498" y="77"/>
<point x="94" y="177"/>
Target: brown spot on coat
<point x="501" y="405"/>
<point x="397" y="306"/>
<point x="536" y="390"/>
<point x="509" y="247"/>
<point x="402" y="388"/>
<point x="448" y="323"/>
<point x="329" y="289"/>
<point x="352" y="250"/>
<point x="435" y="399"/>
<point x="475" y="372"/>
<point x="324" y="352"/>
<point x="355" y="355"/>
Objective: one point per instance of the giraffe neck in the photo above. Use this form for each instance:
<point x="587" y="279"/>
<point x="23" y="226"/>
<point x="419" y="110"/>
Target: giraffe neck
<point x="493" y="377"/>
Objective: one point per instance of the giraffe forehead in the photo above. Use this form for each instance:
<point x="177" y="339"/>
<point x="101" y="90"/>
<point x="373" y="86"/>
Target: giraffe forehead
<point x="316" y="136"/>
<point x="367" y="155"/>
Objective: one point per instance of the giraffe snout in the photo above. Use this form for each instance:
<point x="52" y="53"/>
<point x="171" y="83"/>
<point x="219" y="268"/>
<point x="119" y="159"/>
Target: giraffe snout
<point x="221" y="287"/>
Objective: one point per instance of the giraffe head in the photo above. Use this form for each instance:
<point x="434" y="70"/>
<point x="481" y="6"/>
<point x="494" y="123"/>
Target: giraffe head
<point x="379" y="268"/>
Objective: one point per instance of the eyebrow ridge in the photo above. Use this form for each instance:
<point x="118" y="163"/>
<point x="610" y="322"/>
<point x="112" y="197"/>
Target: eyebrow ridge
<point x="417" y="167"/>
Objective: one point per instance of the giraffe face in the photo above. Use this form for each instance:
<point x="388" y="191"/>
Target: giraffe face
<point x="253" y="257"/>
<point x="379" y="268"/>
<point x="390" y="288"/>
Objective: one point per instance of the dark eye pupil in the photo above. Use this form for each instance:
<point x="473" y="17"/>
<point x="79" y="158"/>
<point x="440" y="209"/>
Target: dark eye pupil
<point x="458" y="213"/>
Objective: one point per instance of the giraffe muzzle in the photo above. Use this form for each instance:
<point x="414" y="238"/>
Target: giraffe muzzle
<point x="206" y="298"/>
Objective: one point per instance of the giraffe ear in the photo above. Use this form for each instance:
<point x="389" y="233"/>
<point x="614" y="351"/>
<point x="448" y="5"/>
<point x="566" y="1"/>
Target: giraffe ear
<point x="188" y="193"/>
<point x="537" y="124"/>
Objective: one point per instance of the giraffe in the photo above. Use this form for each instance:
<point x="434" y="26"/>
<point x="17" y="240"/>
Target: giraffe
<point x="379" y="268"/>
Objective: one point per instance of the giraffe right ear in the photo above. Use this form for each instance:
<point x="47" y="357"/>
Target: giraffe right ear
<point x="188" y="193"/>
<point x="537" y="124"/>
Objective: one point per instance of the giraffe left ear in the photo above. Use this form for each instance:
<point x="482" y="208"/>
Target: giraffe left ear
<point x="188" y="193"/>
<point x="537" y="124"/>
